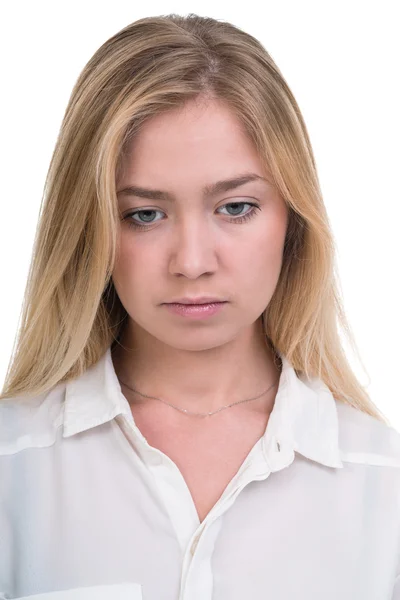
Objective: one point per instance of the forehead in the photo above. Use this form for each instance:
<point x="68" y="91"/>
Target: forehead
<point x="207" y="137"/>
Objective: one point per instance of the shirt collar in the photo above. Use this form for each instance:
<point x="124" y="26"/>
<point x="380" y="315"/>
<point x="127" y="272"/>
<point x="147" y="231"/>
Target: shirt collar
<point x="304" y="417"/>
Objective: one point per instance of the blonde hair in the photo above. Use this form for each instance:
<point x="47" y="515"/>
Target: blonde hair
<point x="71" y="313"/>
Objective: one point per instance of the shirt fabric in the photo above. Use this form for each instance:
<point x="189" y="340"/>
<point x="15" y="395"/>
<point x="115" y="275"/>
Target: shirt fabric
<point x="90" y="510"/>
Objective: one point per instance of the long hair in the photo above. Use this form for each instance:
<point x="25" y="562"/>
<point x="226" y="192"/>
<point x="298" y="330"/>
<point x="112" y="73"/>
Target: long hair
<point x="71" y="312"/>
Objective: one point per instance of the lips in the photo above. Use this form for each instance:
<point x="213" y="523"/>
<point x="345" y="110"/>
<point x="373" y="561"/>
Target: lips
<point x="199" y="300"/>
<point x="195" y="311"/>
<point x="195" y="303"/>
<point x="191" y="304"/>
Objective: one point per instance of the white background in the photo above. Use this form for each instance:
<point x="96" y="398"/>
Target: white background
<point x="341" y="61"/>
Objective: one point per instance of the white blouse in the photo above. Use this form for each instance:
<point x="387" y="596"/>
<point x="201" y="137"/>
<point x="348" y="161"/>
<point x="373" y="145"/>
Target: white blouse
<point x="89" y="510"/>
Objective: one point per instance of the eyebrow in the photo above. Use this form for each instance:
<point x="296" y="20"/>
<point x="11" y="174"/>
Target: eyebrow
<point x="208" y="191"/>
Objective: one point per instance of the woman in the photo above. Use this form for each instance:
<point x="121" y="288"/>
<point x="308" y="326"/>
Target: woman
<point x="179" y="420"/>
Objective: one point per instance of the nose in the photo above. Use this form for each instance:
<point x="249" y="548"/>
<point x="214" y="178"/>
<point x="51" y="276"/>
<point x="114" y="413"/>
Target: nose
<point x="194" y="249"/>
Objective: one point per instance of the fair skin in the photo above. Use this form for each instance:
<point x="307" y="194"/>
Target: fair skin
<point x="191" y="246"/>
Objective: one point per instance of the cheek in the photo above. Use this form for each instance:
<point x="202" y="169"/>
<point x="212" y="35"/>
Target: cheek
<point x="132" y="256"/>
<point x="260" y="260"/>
<point x="127" y="268"/>
<point x="136" y="268"/>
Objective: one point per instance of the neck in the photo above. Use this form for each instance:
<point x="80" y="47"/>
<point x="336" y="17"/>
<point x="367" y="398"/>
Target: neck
<point x="199" y="380"/>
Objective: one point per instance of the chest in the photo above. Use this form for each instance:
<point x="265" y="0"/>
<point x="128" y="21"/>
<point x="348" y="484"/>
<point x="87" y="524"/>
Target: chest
<point x="208" y="455"/>
<point x="208" y="472"/>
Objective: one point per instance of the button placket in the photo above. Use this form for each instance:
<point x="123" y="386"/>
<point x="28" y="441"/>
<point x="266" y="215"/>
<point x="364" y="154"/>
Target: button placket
<point x="194" y="544"/>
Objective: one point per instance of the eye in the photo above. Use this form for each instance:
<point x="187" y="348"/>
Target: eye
<point x="145" y="214"/>
<point x="236" y="219"/>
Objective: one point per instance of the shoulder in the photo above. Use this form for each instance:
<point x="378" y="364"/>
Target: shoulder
<point x="363" y="438"/>
<point x="31" y="422"/>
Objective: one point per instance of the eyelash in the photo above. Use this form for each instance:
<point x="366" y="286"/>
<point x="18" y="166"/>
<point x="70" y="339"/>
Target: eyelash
<point x="239" y="219"/>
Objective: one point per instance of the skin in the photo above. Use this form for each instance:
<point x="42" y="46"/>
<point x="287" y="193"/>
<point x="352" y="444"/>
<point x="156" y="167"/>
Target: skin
<point x="193" y="247"/>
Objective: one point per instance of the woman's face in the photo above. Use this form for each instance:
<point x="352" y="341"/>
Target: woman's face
<point x="188" y="242"/>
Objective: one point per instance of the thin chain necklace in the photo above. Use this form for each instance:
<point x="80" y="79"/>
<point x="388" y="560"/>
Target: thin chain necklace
<point x="208" y="414"/>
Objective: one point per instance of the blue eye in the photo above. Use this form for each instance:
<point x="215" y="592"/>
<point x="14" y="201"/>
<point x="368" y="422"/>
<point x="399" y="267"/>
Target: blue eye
<point x="236" y="219"/>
